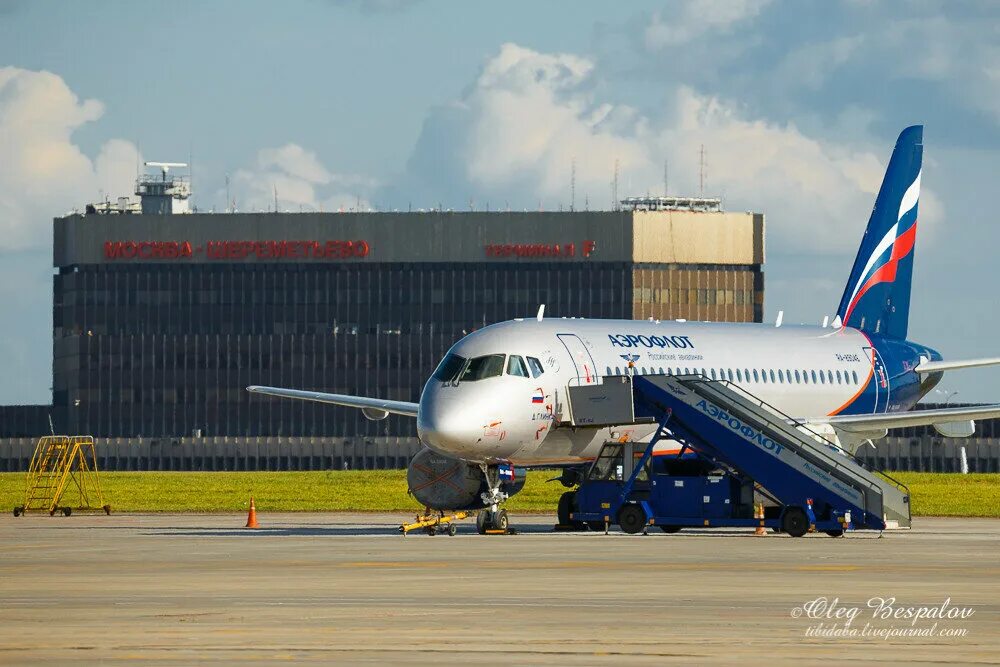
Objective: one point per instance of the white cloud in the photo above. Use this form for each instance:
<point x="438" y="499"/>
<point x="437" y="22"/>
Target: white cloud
<point x="687" y="21"/>
<point x="529" y="116"/>
<point x="44" y="173"/>
<point x="299" y="181"/>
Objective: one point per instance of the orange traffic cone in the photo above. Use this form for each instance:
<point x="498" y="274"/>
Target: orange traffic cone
<point x="252" y="517"/>
<point x="758" y="513"/>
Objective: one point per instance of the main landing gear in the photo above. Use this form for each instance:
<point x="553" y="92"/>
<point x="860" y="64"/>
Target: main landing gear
<point x="492" y="519"/>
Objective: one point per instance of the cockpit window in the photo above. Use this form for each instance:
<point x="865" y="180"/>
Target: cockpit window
<point x="516" y="366"/>
<point x="536" y="367"/>
<point x="449" y="368"/>
<point x="481" y="368"/>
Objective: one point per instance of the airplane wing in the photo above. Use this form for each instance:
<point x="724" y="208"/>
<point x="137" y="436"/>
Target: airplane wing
<point x="939" y="366"/>
<point x="373" y="408"/>
<point x="911" y="418"/>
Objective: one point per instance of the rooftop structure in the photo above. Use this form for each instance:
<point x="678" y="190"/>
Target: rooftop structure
<point x="697" y="204"/>
<point x="162" y="193"/>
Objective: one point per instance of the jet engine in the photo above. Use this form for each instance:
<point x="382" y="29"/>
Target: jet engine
<point x="445" y="483"/>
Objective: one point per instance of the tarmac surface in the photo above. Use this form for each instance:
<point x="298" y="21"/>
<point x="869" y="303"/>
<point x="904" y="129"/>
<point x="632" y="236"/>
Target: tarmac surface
<point x="342" y="588"/>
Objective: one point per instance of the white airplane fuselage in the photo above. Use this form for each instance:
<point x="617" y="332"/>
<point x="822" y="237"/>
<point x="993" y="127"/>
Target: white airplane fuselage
<point x="803" y="371"/>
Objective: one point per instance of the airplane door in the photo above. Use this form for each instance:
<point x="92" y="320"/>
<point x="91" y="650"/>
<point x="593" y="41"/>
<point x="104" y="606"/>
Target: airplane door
<point x="586" y="369"/>
<point x="880" y="380"/>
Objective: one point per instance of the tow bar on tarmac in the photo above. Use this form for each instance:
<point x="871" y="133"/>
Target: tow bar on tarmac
<point x="431" y="524"/>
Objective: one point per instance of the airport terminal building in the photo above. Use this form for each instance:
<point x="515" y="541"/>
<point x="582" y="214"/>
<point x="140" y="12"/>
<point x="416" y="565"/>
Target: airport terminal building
<point x="161" y="321"/>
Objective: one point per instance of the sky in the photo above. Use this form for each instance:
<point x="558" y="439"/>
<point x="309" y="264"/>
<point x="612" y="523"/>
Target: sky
<point x="390" y="104"/>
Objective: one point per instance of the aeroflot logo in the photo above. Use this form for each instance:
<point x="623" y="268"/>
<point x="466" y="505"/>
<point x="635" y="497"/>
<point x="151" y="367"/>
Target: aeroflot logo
<point x="748" y="432"/>
<point x="628" y="340"/>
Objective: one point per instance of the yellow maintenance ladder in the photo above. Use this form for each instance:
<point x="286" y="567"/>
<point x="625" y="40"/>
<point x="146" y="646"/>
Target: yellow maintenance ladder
<point x="57" y="461"/>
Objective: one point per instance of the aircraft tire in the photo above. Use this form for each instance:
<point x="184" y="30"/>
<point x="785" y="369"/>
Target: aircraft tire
<point x="500" y="521"/>
<point x="795" y="522"/>
<point x="632" y="519"/>
<point x="483" y="521"/>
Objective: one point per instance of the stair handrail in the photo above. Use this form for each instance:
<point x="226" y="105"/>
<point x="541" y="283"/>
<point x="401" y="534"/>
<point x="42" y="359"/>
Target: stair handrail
<point x="802" y="424"/>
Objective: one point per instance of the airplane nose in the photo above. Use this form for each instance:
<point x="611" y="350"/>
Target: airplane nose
<point x="444" y="425"/>
<point x="446" y="432"/>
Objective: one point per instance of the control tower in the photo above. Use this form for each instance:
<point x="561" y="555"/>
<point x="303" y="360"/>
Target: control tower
<point x="164" y="193"/>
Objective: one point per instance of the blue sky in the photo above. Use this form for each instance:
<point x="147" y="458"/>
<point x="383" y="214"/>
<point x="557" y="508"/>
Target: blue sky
<point x="395" y="103"/>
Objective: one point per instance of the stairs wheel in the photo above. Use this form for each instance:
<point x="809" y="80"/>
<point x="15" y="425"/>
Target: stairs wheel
<point x="834" y="533"/>
<point x="67" y="511"/>
<point x="632" y="519"/>
<point x="597" y="526"/>
<point x="795" y="521"/>
<point x="18" y="511"/>
<point x="670" y="529"/>
<point x="565" y="507"/>
<point x="107" y="509"/>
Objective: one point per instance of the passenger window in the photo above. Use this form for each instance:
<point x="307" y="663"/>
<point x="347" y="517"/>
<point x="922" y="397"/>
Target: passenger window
<point x="838" y="378"/>
<point x="481" y="368"/>
<point x="855" y="374"/>
<point x="781" y="376"/>
<point x="814" y="377"/>
<point x="798" y="378"/>
<point x="739" y="375"/>
<point x="822" y="378"/>
<point x="537" y="369"/>
<point x="517" y="367"/>
<point x="771" y="373"/>
<point x="756" y="378"/>
<point x="829" y="376"/>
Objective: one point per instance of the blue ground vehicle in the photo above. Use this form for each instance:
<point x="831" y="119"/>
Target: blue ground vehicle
<point x="734" y="448"/>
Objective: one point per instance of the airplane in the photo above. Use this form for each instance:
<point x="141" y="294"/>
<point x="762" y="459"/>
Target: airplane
<point x="498" y="398"/>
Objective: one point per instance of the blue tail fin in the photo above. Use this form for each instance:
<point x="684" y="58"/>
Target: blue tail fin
<point x="877" y="297"/>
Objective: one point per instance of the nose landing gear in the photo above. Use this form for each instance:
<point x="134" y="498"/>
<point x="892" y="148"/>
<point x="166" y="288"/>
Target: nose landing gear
<point x="492" y="519"/>
<point x="488" y="521"/>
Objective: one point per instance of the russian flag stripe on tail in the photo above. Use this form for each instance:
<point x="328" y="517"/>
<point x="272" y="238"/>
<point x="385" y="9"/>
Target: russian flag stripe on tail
<point x="877" y="296"/>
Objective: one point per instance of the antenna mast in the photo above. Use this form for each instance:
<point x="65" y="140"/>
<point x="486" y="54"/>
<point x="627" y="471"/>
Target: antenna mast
<point x="614" y="187"/>
<point x="701" y="172"/>
<point x="572" y="186"/>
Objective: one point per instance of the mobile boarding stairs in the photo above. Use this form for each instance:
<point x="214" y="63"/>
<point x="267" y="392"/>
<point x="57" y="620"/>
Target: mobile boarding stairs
<point x="811" y="482"/>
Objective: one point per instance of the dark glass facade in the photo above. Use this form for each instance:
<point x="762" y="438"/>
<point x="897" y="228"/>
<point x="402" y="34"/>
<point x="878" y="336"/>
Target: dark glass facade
<point x="167" y="349"/>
